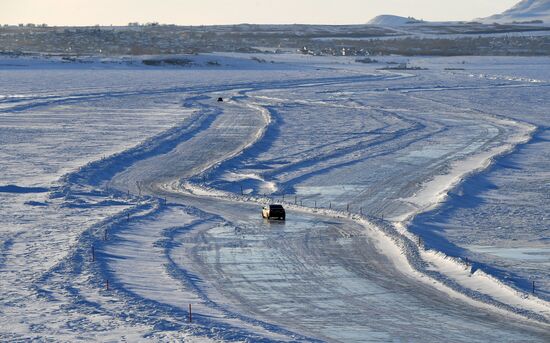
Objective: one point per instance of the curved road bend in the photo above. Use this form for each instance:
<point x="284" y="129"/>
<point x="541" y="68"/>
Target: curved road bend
<point x="314" y="275"/>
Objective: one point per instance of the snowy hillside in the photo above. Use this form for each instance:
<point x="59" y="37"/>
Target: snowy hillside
<point x="524" y="11"/>
<point x="392" y="20"/>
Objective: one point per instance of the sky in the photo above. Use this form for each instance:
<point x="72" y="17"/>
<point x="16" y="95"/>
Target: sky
<point x="206" y="12"/>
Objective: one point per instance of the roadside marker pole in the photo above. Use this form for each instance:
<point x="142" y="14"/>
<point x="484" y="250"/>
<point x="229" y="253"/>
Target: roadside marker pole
<point x="283" y="197"/>
<point x="330" y="204"/>
<point x="533" y="287"/>
<point x="138" y="184"/>
<point x="347" y="208"/>
<point x="242" y="193"/>
<point x="93" y="254"/>
<point x="295" y="199"/>
<point x="107" y="284"/>
<point x="128" y="217"/>
<point x="105" y="235"/>
<point x="190" y="314"/>
<point x="360" y="210"/>
<point x="315" y="207"/>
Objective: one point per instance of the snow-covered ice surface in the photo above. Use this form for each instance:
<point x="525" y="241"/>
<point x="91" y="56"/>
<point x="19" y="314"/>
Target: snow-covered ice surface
<point x="138" y="177"/>
<point x="499" y="218"/>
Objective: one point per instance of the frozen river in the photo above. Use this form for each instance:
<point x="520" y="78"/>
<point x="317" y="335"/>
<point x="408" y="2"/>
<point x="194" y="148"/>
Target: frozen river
<point x="165" y="184"/>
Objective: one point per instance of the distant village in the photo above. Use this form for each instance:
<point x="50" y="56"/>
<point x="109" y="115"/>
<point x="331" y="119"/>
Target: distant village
<point x="349" y="40"/>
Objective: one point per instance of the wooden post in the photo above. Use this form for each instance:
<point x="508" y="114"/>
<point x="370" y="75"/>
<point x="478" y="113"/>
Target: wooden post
<point x="190" y="314"/>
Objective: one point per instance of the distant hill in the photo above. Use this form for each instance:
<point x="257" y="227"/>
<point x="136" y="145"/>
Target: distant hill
<point x="392" y="20"/>
<point x="524" y="11"/>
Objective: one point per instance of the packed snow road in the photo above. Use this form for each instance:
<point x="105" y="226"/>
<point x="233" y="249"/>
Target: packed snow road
<point x="320" y="277"/>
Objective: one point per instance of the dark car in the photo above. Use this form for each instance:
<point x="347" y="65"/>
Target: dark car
<point x="274" y="211"/>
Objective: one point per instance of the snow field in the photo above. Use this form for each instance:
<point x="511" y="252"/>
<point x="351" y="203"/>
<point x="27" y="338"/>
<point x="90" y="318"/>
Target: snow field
<point x="397" y="151"/>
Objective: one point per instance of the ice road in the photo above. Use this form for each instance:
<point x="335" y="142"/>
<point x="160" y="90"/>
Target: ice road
<point x="129" y="193"/>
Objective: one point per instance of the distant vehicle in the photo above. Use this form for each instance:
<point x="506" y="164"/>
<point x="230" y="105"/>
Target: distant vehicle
<point x="220" y="99"/>
<point x="273" y="211"/>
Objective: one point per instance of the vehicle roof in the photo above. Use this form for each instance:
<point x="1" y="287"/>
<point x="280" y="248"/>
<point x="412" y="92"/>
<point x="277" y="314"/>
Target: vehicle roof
<point x="275" y="206"/>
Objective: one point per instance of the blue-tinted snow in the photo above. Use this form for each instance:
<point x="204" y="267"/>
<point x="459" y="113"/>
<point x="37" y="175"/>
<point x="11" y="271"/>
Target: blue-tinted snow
<point x="338" y="133"/>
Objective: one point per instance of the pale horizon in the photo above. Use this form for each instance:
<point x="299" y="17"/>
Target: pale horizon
<point x="215" y="12"/>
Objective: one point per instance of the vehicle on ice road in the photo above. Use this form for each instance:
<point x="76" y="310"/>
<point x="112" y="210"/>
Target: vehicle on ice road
<point x="274" y="211"/>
